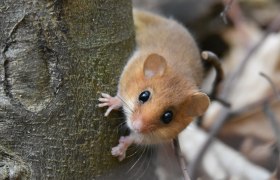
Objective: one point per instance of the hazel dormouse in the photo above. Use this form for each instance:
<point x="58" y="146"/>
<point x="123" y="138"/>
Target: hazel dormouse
<point x="159" y="86"/>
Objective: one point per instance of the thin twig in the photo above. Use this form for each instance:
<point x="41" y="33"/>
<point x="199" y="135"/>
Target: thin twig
<point x="233" y="12"/>
<point x="277" y="174"/>
<point x="275" y="126"/>
<point x="273" y="86"/>
<point x="212" y="134"/>
<point x="273" y="120"/>
<point x="225" y="11"/>
<point x="212" y="59"/>
<point x="181" y="158"/>
<point x="271" y="116"/>
<point x="222" y="101"/>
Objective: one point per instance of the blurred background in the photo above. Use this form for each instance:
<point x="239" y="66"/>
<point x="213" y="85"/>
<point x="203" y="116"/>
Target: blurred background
<point x="244" y="34"/>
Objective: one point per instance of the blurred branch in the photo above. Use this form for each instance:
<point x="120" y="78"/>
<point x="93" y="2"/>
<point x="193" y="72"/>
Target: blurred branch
<point x="233" y="12"/>
<point x="273" y="86"/>
<point x="273" y="27"/>
<point x="275" y="126"/>
<point x="252" y="106"/>
<point x="225" y="11"/>
<point x="212" y="59"/>
<point x="268" y="112"/>
<point x="272" y="118"/>
<point x="213" y="132"/>
<point x="221" y="161"/>
<point x="227" y="89"/>
<point x="181" y="159"/>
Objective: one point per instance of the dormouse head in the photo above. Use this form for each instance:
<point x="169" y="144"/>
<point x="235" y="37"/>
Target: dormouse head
<point x="163" y="101"/>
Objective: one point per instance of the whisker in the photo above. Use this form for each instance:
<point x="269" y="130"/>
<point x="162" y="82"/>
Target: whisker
<point x="150" y="156"/>
<point x="136" y="146"/>
<point x="139" y="168"/>
<point x="137" y="160"/>
<point x="136" y="149"/>
<point x="165" y="151"/>
<point x="120" y="126"/>
<point x="132" y="160"/>
<point x="134" y="153"/>
<point x="125" y="103"/>
<point x="130" y="103"/>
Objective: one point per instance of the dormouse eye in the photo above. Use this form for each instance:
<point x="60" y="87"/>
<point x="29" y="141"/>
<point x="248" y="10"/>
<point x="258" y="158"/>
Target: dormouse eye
<point x="144" y="96"/>
<point x="167" y="117"/>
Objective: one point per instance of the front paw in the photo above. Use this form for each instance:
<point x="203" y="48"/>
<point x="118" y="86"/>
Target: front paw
<point x="119" y="152"/>
<point x="111" y="102"/>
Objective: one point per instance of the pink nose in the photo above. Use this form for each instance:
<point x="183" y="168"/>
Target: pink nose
<point x="137" y="125"/>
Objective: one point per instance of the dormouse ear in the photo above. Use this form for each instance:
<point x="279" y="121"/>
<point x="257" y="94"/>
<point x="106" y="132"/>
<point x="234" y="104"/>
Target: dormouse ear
<point x="198" y="104"/>
<point x="154" y="65"/>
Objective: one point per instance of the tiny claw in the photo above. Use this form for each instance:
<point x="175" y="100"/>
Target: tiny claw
<point x="120" y="158"/>
<point x="103" y="99"/>
<point x="108" y="111"/>
<point x="111" y="102"/>
<point x="105" y="95"/>
<point x="102" y="104"/>
<point x="120" y="150"/>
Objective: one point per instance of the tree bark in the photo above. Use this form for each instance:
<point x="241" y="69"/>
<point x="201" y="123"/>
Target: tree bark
<point x="56" y="57"/>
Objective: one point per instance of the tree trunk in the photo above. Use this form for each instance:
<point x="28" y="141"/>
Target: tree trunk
<point x="56" y="57"/>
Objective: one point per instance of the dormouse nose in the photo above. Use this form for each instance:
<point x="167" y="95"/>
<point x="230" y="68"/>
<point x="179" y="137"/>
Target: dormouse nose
<point x="137" y="125"/>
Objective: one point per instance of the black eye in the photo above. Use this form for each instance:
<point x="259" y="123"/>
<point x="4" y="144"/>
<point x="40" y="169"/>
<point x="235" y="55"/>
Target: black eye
<point x="167" y="117"/>
<point x="144" y="96"/>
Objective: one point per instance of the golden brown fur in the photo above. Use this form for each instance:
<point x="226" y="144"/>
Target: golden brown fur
<point x="170" y="91"/>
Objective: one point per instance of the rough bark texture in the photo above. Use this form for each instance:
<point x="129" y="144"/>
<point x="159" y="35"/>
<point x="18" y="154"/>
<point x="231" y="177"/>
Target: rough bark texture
<point x="56" y="57"/>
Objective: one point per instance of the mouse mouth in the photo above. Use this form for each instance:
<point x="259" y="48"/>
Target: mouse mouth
<point x="148" y="139"/>
<point x="138" y="126"/>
